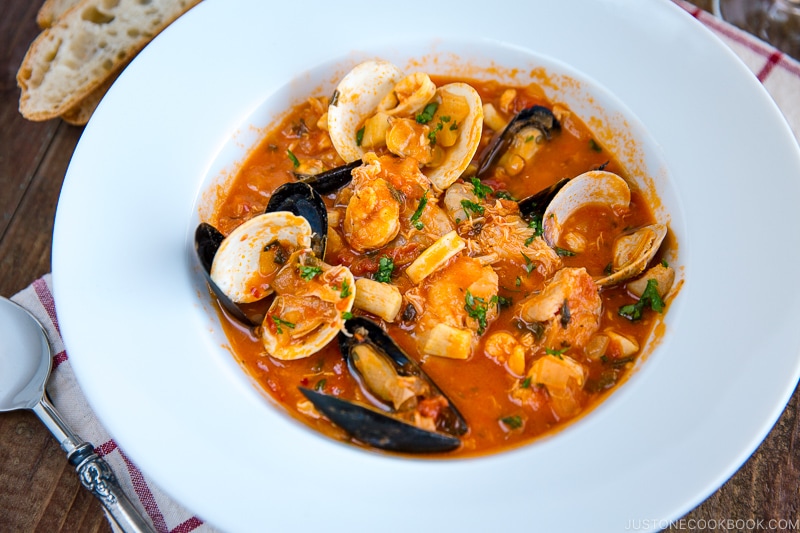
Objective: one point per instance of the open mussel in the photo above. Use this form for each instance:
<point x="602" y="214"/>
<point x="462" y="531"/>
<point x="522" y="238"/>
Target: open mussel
<point x="302" y="200"/>
<point x="529" y="127"/>
<point x="407" y="412"/>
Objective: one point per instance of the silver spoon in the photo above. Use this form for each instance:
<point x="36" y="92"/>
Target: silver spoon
<point x="25" y="362"/>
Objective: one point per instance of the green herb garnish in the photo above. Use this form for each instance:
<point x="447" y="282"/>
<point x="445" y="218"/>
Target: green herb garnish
<point x="295" y="161"/>
<point x="505" y="195"/>
<point x="427" y="113"/>
<point x="565" y="314"/>
<point x="347" y="315"/>
<point x="472" y="206"/>
<point x="556" y="353"/>
<point x="320" y="384"/>
<point x="594" y="146"/>
<point x="650" y="298"/>
<point x="360" y="135"/>
<point x="479" y="189"/>
<point x="278" y="321"/>
<point x="309" y="272"/>
<point x="418" y="213"/>
<point x="563" y="252"/>
<point x="530" y="266"/>
<point x="385" y="269"/>
<point x="476" y="308"/>
<point x="513" y="422"/>
<point x="345" y="291"/>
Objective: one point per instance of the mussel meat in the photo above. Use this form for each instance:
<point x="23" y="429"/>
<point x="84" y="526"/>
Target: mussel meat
<point x="528" y="126"/>
<point x="408" y="412"/>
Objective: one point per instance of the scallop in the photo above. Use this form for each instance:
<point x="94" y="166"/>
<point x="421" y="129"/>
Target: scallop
<point x="252" y="254"/>
<point x="390" y="109"/>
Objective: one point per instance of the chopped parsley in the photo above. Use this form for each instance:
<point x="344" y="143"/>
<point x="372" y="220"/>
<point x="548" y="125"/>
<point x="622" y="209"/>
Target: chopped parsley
<point x="347" y="315"/>
<point x="471" y="206"/>
<point x="505" y="195"/>
<point x="320" y="384"/>
<point x="427" y="113"/>
<point x="309" y="272"/>
<point x="512" y="422"/>
<point x="594" y="146"/>
<point x="563" y="252"/>
<point x="360" y="135"/>
<point x="433" y="132"/>
<point x="295" y="161"/>
<point x="385" y="269"/>
<point x="518" y="281"/>
<point x="526" y="383"/>
<point x="530" y="266"/>
<point x="650" y="298"/>
<point x="556" y="353"/>
<point x="418" y="213"/>
<point x="664" y="263"/>
<point x="476" y="308"/>
<point x="538" y="229"/>
<point x="278" y="321"/>
<point x="502" y="301"/>
<point x="479" y="189"/>
<point x="345" y="290"/>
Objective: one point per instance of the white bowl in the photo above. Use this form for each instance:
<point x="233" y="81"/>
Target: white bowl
<point x="149" y="353"/>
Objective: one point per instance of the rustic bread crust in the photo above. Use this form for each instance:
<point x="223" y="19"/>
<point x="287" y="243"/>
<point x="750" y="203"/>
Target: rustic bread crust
<point x="51" y="10"/>
<point x="89" y="44"/>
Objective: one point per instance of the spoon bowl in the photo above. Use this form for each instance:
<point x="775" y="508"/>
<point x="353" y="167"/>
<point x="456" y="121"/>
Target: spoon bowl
<point x="25" y="363"/>
<point x="25" y="360"/>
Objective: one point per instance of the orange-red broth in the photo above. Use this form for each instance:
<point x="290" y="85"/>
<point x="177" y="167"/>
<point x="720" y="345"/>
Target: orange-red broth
<point x="480" y="385"/>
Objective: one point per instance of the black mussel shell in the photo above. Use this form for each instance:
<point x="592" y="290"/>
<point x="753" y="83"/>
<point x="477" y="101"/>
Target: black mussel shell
<point x="536" y="116"/>
<point x="535" y="205"/>
<point x="301" y="200"/>
<point x="331" y="180"/>
<point x="378" y="429"/>
<point x="207" y="240"/>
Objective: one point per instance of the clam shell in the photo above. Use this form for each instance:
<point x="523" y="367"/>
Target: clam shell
<point x="236" y="264"/>
<point x="633" y="251"/>
<point x="593" y="187"/>
<point x="357" y="97"/>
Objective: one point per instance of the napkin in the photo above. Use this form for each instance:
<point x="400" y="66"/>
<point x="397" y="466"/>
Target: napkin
<point x="779" y="73"/>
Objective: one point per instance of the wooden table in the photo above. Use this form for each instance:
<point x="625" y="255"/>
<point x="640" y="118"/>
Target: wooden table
<point x="39" y="491"/>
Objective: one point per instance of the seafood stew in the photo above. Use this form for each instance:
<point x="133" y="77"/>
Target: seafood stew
<point x="487" y="267"/>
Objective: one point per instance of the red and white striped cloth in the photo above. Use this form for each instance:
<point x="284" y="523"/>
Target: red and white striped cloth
<point x="779" y="73"/>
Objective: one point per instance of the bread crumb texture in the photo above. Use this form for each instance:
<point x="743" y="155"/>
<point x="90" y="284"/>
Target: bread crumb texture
<point x="88" y="45"/>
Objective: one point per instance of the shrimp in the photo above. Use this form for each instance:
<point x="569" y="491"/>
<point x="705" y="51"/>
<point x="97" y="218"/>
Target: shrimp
<point x="568" y="307"/>
<point x="460" y="301"/>
<point x="383" y="188"/>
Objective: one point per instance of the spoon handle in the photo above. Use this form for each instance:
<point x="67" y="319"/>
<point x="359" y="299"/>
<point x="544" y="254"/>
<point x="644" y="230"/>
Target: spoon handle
<point x="94" y="472"/>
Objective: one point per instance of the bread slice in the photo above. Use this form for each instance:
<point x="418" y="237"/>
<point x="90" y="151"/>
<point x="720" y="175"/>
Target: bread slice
<point x="51" y="10"/>
<point x="80" y="113"/>
<point x="87" y="45"/>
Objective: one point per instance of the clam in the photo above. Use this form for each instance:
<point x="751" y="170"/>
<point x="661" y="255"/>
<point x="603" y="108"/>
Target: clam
<point x="239" y="267"/>
<point x="407" y="412"/>
<point x="523" y="133"/>
<point x="632" y="250"/>
<point x="593" y="187"/>
<point x="632" y="253"/>
<point x="375" y="106"/>
<point x="311" y="300"/>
